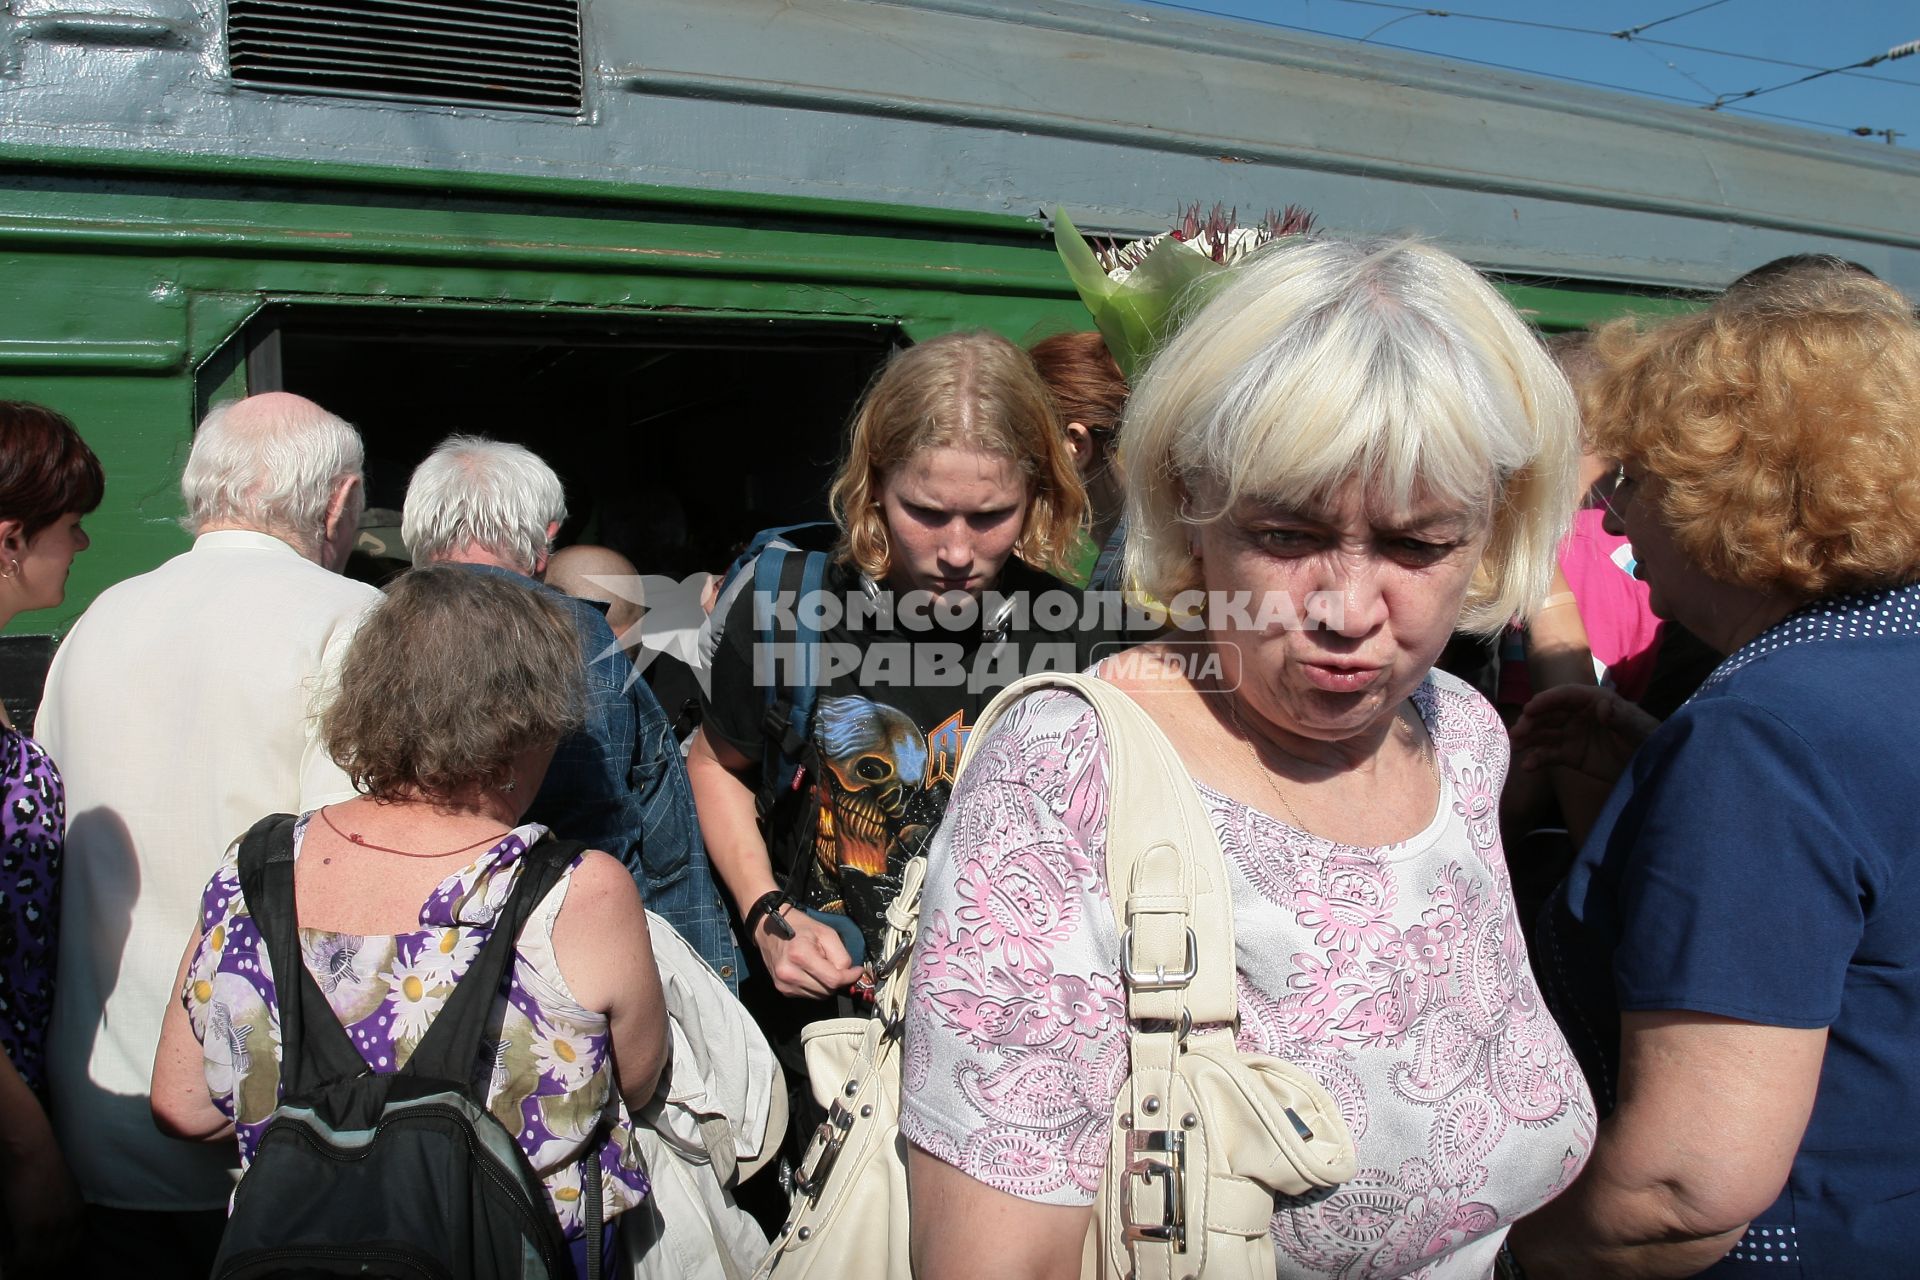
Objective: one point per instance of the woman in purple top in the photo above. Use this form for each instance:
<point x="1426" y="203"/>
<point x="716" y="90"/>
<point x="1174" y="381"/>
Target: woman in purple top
<point x="452" y="698"/>
<point x="48" y="480"/>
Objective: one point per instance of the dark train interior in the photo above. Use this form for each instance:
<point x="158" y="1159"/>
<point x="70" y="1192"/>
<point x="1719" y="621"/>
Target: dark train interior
<point x="676" y="440"/>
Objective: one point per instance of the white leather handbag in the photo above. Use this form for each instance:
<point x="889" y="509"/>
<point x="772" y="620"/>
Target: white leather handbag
<point x="1204" y="1136"/>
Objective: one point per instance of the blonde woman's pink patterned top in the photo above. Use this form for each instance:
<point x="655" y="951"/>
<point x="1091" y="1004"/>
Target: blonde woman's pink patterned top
<point x="1396" y="975"/>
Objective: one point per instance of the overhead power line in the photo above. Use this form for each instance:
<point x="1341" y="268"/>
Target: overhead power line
<point x="1908" y="49"/>
<point x="1631" y="32"/>
<point x="1414" y="11"/>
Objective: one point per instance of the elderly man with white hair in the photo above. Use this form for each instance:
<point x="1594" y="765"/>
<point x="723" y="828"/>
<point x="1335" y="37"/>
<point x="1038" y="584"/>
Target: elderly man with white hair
<point x="179" y="708"/>
<point x="618" y="783"/>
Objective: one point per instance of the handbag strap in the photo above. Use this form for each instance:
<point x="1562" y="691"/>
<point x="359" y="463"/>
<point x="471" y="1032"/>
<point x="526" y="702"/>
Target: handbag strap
<point x="1167" y="883"/>
<point x="1166" y="877"/>
<point x="903" y="925"/>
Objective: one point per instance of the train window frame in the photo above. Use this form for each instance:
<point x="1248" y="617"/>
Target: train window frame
<point x="723" y="494"/>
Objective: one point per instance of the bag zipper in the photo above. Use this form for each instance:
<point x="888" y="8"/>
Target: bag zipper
<point x="252" y="1259"/>
<point x="529" y="1215"/>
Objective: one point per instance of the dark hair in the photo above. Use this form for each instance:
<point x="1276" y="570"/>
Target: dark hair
<point x="1794" y="263"/>
<point x="46" y="469"/>
<point x="1085" y="379"/>
<point x="450" y="677"/>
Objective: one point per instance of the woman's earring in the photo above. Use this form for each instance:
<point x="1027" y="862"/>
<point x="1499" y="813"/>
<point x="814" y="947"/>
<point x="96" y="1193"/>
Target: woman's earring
<point x="12" y="569"/>
<point x="510" y="784"/>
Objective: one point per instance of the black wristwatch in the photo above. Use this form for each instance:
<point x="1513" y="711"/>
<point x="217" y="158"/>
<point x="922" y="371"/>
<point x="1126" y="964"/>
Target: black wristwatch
<point x="768" y="905"/>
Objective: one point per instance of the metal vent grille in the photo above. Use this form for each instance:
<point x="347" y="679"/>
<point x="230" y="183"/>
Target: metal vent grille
<point x="523" y="55"/>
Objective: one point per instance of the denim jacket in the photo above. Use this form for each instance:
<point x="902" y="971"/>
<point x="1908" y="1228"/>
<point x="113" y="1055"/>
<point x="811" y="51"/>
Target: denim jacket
<point x="619" y="784"/>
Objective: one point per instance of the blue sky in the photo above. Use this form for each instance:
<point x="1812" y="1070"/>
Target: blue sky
<point x="1781" y="40"/>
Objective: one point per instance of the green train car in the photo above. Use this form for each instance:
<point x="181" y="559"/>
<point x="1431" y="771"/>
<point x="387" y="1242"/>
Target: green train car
<point x="666" y="243"/>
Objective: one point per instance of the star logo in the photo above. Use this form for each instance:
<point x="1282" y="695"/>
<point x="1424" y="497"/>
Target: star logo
<point x="667" y="616"/>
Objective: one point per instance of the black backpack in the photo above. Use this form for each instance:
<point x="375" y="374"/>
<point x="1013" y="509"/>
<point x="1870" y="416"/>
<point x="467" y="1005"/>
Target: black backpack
<point x="400" y="1175"/>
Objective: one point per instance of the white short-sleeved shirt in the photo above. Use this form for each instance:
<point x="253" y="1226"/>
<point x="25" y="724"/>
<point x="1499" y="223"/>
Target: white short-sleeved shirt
<point x="180" y="710"/>
<point x="1396" y="975"/>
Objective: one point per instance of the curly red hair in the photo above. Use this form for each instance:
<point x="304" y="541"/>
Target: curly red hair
<point x="1784" y="421"/>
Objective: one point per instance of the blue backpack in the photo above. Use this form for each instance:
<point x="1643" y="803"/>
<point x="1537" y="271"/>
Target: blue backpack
<point x="791" y="558"/>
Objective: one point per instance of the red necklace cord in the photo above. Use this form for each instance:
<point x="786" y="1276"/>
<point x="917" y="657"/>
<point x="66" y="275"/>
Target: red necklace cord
<point x="354" y="837"/>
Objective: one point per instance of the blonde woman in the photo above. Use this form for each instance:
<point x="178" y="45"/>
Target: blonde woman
<point x="956" y="500"/>
<point x="1351" y="450"/>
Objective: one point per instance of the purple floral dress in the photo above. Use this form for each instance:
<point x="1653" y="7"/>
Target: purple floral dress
<point x="552" y="1074"/>
<point x="33" y="830"/>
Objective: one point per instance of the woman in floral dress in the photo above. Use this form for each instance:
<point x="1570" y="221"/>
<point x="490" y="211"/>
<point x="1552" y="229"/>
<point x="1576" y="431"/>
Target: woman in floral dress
<point x="452" y="698"/>
<point x="48" y="480"/>
<point x="1351" y="450"/>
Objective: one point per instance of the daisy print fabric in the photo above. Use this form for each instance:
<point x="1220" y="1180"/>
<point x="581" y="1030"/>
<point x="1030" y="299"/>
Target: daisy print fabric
<point x="549" y="1075"/>
<point x="1395" y="975"/>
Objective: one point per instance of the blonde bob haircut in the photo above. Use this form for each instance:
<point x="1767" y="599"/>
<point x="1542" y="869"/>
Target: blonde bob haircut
<point x="1781" y="421"/>
<point x="968" y="391"/>
<point x="452" y="676"/>
<point x="1322" y="361"/>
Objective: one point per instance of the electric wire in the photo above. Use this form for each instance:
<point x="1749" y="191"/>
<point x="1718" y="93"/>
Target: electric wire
<point x="1723" y="102"/>
<point x="1627" y="34"/>
<point x="1908" y="49"/>
<point x="1630" y="32"/>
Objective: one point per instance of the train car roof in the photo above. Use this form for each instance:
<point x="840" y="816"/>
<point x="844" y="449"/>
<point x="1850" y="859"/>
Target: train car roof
<point x="1120" y="113"/>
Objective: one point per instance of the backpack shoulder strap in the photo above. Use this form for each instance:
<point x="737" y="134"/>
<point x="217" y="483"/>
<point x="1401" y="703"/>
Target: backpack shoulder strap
<point x="452" y="1043"/>
<point x="1166" y="876"/>
<point x="314" y="1048"/>
<point x="788" y="717"/>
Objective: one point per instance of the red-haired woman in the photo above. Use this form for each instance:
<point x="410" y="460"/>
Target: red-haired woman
<point x="48" y="480"/>
<point x="1091" y="394"/>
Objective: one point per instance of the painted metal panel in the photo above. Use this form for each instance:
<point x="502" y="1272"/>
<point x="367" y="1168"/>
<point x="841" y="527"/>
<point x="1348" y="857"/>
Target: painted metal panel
<point x="1119" y="111"/>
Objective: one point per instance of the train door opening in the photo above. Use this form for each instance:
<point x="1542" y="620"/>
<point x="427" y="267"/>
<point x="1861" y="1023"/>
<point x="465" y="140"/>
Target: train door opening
<point x="675" y="441"/>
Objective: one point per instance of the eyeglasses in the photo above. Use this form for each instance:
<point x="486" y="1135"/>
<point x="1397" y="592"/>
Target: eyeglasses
<point x="1615" y="491"/>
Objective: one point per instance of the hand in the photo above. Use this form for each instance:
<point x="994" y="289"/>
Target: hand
<point x="43" y="1209"/>
<point x="1590" y="730"/>
<point x="813" y="963"/>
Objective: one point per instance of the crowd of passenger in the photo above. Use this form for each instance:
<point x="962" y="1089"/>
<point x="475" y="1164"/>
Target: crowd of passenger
<point x="1608" y="954"/>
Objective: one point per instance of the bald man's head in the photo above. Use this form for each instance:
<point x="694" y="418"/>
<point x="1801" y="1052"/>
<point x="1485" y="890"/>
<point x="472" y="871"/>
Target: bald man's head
<point x="573" y="570"/>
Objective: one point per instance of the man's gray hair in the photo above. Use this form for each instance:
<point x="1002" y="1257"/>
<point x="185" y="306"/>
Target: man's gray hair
<point x="492" y="494"/>
<point x="269" y="463"/>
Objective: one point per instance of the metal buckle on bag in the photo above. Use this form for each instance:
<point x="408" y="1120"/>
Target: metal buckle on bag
<point x="900" y="955"/>
<point x="1159" y="979"/>
<point x="810" y="1179"/>
<point x="1162" y="1154"/>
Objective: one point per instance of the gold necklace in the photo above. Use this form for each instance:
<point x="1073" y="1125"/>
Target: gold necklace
<point x="1233" y="707"/>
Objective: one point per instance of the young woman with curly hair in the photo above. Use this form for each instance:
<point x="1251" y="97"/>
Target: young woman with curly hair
<point x="956" y="503"/>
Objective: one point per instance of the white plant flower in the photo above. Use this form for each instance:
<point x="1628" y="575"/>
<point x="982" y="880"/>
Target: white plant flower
<point x="414" y="996"/>
<point x="563" y="1054"/>
<point x="449" y="953"/>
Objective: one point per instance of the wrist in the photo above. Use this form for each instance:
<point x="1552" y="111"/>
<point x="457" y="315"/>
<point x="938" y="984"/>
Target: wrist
<point x="769" y="909"/>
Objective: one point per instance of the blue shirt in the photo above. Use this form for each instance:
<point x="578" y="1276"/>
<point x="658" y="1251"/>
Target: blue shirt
<point x="1761" y="861"/>
<point x="619" y="784"/>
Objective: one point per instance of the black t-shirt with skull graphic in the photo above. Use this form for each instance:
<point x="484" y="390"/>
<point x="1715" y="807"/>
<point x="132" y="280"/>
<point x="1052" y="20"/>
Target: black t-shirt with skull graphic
<point x="901" y="684"/>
